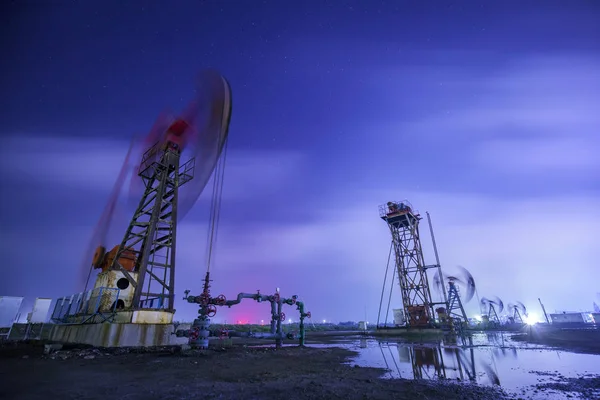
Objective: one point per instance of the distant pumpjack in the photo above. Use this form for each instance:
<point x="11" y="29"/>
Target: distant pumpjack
<point x="456" y="311"/>
<point x="403" y="223"/>
<point x="491" y="308"/>
<point x="455" y="307"/>
<point x="517" y="312"/>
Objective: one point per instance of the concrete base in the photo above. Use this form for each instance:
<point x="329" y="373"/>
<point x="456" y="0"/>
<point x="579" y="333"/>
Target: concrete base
<point x="117" y="335"/>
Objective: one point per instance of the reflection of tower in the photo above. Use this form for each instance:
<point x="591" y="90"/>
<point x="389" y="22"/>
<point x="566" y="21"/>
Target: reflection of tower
<point x="447" y="363"/>
<point x="410" y="266"/>
<point x="425" y="358"/>
<point x="459" y="365"/>
<point x="145" y="259"/>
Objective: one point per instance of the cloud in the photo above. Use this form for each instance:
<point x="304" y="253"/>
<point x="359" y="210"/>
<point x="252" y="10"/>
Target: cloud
<point x="547" y="156"/>
<point x="543" y="96"/>
<point x="85" y="164"/>
<point x="94" y="164"/>
<point x="467" y="125"/>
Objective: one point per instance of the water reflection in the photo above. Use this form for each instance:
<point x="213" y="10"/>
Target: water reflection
<point x="429" y="362"/>
<point x="487" y="358"/>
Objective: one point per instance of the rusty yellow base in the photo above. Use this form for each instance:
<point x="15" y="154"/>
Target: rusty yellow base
<point x="116" y="334"/>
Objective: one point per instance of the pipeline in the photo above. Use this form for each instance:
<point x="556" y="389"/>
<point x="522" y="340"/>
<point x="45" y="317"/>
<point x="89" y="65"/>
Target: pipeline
<point x="199" y="332"/>
<point x="300" y="307"/>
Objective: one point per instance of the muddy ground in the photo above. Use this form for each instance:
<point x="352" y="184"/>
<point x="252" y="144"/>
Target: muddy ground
<point x="233" y="373"/>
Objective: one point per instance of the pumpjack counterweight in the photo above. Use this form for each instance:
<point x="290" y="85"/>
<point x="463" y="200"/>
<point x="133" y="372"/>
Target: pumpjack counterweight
<point x="151" y="235"/>
<point x="410" y="266"/>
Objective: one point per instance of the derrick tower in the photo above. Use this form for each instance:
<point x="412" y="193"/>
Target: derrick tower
<point x="403" y="223"/>
<point x="145" y="257"/>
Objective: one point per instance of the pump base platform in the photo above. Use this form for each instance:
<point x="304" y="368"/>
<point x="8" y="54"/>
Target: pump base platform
<point x="128" y="329"/>
<point x="116" y="335"/>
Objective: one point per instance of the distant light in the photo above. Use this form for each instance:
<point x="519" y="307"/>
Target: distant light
<point x="477" y="318"/>
<point x="290" y="320"/>
<point x="531" y="319"/>
<point x="324" y="321"/>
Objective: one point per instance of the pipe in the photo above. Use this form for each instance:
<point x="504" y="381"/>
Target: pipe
<point x="263" y="335"/>
<point x="300" y="306"/>
<point x="241" y="296"/>
<point x="544" y="310"/>
<point x="437" y="259"/>
<point x="276" y="313"/>
<point x="278" y="322"/>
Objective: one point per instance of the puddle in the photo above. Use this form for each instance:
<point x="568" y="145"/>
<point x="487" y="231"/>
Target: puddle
<point x="528" y="371"/>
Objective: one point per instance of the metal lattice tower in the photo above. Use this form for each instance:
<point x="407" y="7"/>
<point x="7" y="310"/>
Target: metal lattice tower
<point x="151" y="235"/>
<point x="517" y="315"/>
<point x="410" y="266"/>
<point x="492" y="315"/>
<point x="455" y="306"/>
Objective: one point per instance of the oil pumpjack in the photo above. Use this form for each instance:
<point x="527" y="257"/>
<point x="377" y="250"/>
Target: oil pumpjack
<point x="455" y="314"/>
<point x="142" y="266"/>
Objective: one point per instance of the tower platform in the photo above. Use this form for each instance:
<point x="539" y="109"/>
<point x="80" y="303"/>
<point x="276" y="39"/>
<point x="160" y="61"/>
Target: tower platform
<point x="399" y="214"/>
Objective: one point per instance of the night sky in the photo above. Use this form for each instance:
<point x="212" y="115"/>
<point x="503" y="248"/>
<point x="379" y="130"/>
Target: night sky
<point x="486" y="116"/>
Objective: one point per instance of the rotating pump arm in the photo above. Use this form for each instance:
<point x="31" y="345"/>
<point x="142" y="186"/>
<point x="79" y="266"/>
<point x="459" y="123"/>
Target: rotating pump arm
<point x="99" y="236"/>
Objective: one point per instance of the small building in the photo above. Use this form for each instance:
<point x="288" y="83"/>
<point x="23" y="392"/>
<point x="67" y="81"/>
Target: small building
<point x="567" y="318"/>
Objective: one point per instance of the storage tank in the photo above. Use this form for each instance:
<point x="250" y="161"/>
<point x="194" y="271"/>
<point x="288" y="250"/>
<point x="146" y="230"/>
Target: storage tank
<point x="567" y="318"/>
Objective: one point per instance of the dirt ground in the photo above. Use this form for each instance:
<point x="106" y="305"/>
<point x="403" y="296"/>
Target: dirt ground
<point x="234" y="373"/>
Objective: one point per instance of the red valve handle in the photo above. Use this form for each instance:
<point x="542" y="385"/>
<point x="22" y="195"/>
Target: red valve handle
<point x="282" y="316"/>
<point x="308" y="314"/>
<point x="220" y="299"/>
<point x="212" y="311"/>
<point x="195" y="333"/>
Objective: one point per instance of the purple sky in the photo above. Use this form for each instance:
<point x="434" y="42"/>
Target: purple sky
<point x="487" y="117"/>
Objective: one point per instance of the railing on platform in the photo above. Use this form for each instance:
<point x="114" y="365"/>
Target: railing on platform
<point x="153" y="303"/>
<point x="393" y="207"/>
<point x="96" y="305"/>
